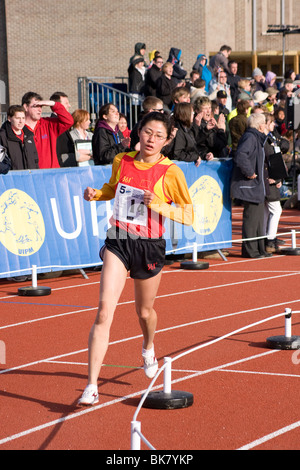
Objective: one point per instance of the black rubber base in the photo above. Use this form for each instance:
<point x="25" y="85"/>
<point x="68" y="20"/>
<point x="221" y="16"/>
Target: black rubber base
<point x="34" y="291"/>
<point x="284" y="342"/>
<point x="290" y="251"/>
<point x="194" y="265"/>
<point x="168" y="401"/>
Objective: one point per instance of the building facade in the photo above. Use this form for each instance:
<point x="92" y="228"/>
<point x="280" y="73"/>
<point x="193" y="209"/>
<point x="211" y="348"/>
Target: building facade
<point x="47" y="45"/>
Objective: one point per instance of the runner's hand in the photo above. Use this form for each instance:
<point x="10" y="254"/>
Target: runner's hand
<point x="89" y="194"/>
<point x="148" y="197"/>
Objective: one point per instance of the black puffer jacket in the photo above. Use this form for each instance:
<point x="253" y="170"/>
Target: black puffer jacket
<point x="183" y="146"/>
<point x="106" y="144"/>
<point x="23" y="155"/>
<point x="209" y="140"/>
<point x="5" y="163"/>
<point x="249" y="158"/>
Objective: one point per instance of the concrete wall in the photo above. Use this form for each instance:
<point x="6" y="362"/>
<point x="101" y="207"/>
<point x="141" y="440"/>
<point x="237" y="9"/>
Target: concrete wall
<point x="47" y="44"/>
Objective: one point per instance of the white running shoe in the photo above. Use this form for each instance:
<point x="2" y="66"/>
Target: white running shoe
<point x="150" y="363"/>
<point x="90" y="396"/>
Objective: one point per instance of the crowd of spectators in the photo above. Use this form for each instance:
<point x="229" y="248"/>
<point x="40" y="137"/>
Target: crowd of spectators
<point x="210" y="107"/>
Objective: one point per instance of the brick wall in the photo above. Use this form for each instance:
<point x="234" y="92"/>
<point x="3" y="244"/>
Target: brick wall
<point x="50" y="43"/>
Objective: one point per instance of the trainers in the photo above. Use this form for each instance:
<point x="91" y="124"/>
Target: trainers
<point x="90" y="396"/>
<point x="271" y="246"/>
<point x="150" y="363"/>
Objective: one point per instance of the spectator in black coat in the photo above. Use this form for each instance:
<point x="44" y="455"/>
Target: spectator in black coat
<point x="108" y="140"/>
<point x="18" y="140"/>
<point x="165" y="85"/>
<point x="152" y="75"/>
<point x="209" y="134"/>
<point x="136" y="78"/>
<point x="183" y="147"/>
<point x="248" y="185"/>
<point x="233" y="81"/>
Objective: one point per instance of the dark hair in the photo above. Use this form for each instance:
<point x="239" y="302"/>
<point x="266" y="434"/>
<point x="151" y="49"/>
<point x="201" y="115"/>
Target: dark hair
<point x="104" y="110"/>
<point x="225" y="48"/>
<point x="199" y="83"/>
<point x="160" y="117"/>
<point x="121" y="115"/>
<point x="13" y="109"/>
<point x="182" y="113"/>
<point x="26" y="99"/>
<point x="242" y="106"/>
<point x="57" y="95"/>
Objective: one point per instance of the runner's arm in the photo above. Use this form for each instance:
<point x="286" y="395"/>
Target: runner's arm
<point x="176" y="189"/>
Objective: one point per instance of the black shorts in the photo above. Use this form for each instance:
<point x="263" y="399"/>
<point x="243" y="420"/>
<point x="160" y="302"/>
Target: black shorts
<point x="142" y="257"/>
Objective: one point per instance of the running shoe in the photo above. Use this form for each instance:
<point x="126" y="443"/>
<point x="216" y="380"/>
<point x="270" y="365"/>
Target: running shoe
<point x="90" y="396"/>
<point x="150" y="363"/>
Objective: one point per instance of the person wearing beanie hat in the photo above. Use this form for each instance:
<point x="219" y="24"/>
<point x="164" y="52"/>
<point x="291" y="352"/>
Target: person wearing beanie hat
<point x="259" y="80"/>
<point x="257" y="72"/>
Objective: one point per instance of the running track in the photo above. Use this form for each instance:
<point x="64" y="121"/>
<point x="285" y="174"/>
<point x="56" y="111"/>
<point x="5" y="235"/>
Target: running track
<point x="246" y="396"/>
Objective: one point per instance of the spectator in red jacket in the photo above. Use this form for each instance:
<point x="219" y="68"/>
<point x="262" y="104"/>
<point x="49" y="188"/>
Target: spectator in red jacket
<point x="46" y="130"/>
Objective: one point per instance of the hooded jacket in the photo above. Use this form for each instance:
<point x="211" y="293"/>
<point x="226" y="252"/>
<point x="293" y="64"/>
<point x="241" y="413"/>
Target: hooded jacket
<point x="249" y="158"/>
<point x="23" y="155"/>
<point x="137" y="51"/>
<point x="204" y="71"/>
<point x="174" y="58"/>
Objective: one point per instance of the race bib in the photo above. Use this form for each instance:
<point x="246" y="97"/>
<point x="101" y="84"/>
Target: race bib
<point x="129" y="205"/>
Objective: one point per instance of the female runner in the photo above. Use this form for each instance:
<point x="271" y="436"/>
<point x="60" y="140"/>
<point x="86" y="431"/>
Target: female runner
<point x="144" y="185"/>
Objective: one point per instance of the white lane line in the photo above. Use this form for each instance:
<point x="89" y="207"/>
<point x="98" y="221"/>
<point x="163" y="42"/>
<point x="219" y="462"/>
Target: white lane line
<point x="164" y="272"/>
<point x="201" y="289"/>
<point x="163" y="330"/>
<point x="269" y="437"/>
<point x="118" y="400"/>
<point x="255" y="372"/>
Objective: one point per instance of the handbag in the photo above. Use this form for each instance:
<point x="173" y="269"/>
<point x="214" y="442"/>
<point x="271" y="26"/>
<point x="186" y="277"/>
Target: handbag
<point x="277" y="168"/>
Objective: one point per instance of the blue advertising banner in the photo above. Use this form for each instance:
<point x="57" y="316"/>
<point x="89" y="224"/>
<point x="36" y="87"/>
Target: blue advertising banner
<point x="44" y="220"/>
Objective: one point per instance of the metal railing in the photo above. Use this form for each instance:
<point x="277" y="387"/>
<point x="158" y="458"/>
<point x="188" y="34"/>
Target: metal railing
<point x="94" y="93"/>
<point x="3" y="117"/>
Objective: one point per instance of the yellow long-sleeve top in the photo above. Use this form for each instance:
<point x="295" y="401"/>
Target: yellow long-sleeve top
<point x="163" y="178"/>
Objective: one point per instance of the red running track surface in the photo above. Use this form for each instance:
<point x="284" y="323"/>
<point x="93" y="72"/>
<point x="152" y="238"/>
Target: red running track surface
<point x="246" y="396"/>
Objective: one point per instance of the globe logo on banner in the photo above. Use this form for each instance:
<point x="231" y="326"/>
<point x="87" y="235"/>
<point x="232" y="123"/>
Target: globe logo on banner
<point x="22" y="227"/>
<point x="207" y="200"/>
